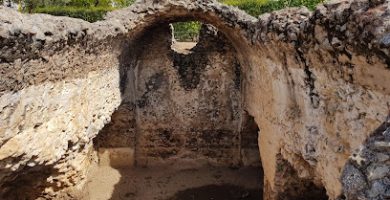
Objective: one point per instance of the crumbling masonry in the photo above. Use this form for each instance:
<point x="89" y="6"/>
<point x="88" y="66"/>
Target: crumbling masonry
<point x="316" y="84"/>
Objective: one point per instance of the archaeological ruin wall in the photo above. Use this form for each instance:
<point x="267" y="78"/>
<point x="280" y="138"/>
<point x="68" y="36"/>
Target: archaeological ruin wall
<point x="316" y="84"/>
<point x="181" y="106"/>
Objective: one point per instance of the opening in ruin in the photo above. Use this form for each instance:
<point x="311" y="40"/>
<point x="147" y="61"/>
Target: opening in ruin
<point x="185" y="35"/>
<point x="294" y="187"/>
<point x="182" y="131"/>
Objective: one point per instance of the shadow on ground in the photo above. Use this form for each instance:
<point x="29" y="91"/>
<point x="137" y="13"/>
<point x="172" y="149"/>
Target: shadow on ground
<point x="218" y="192"/>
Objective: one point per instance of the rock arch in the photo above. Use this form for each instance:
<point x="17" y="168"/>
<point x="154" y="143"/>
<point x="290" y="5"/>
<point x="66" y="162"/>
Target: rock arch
<point x="316" y="83"/>
<point x="235" y="24"/>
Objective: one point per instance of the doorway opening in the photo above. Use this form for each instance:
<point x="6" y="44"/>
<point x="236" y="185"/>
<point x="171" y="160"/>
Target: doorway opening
<point x="185" y="36"/>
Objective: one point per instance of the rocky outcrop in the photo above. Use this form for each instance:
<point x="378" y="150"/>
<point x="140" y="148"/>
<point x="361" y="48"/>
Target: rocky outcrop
<point x="316" y="84"/>
<point x="366" y="175"/>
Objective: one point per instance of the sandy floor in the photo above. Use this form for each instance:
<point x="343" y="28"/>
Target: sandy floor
<point x="166" y="183"/>
<point x="183" y="47"/>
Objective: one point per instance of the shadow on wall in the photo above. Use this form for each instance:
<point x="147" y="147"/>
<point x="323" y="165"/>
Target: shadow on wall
<point x="234" y="143"/>
<point x="28" y="183"/>
<point x="292" y="187"/>
<point x="180" y="106"/>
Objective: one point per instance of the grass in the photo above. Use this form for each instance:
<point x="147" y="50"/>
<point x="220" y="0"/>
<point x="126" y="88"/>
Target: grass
<point x="258" y="7"/>
<point x="184" y="31"/>
<point x="252" y="7"/>
<point x="91" y="14"/>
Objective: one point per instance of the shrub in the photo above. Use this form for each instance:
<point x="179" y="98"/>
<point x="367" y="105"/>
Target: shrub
<point x="258" y="7"/>
<point x="89" y="10"/>
<point x="187" y="31"/>
<point x="252" y="7"/>
<point x="88" y="14"/>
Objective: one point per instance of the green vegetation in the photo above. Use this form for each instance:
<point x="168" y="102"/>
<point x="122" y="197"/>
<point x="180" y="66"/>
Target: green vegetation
<point x="187" y="31"/>
<point x="89" y="10"/>
<point x="252" y="7"/>
<point x="258" y="7"/>
<point x="94" y="10"/>
<point x="88" y="14"/>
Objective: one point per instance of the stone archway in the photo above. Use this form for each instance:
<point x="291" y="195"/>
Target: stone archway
<point x="168" y="13"/>
<point x="173" y="93"/>
<point x="182" y="112"/>
<point x="316" y="83"/>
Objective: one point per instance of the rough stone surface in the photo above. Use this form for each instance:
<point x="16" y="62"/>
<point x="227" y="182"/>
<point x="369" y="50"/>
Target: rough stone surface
<point x="183" y="106"/>
<point x="370" y="164"/>
<point x="316" y="84"/>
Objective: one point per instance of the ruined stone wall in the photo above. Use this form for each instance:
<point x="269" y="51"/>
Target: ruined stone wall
<point x="325" y="76"/>
<point x="183" y="106"/>
<point x="52" y="73"/>
<point x="316" y="83"/>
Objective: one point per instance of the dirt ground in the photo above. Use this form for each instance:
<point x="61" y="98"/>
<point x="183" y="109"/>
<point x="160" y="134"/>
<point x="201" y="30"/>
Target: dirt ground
<point x="183" y="47"/>
<point x="168" y="183"/>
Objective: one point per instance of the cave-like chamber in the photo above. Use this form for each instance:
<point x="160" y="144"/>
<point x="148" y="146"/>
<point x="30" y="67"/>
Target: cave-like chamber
<point x="183" y="113"/>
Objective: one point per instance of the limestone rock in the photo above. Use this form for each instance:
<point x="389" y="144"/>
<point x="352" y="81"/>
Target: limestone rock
<point x="62" y="78"/>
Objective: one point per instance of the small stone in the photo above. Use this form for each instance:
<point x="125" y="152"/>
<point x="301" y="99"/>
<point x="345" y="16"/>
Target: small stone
<point x="337" y="44"/>
<point x="15" y="31"/>
<point x="357" y="157"/>
<point x="292" y="36"/>
<point x="386" y="134"/>
<point x="374" y="3"/>
<point x="353" y="180"/>
<point x="381" y="157"/>
<point x="378" y="171"/>
<point x="381" y="145"/>
<point x="343" y="28"/>
<point x="377" y="188"/>
<point x="385" y="41"/>
<point x="31" y="164"/>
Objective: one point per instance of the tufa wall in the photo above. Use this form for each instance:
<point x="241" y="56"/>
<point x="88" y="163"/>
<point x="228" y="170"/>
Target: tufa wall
<point x="182" y="106"/>
<point x="316" y="84"/>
